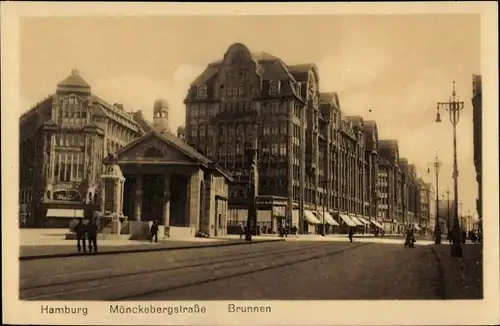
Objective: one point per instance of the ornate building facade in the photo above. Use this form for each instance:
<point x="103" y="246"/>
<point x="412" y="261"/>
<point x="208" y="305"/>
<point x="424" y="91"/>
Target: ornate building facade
<point x="311" y="159"/>
<point x="319" y="169"/>
<point x="63" y="140"/>
<point x="392" y="201"/>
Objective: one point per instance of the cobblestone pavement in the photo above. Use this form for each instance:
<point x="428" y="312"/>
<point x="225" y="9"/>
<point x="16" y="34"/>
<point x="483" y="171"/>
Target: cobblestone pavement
<point x="370" y="271"/>
<point x="463" y="277"/>
<point x="276" y="270"/>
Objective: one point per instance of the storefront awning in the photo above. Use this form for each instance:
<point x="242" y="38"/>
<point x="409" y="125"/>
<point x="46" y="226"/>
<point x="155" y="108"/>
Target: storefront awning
<point x="356" y="220"/>
<point x="362" y="219"/>
<point x="417" y="227"/>
<point x="66" y="213"/>
<point x="347" y="220"/>
<point x="310" y="217"/>
<point x="377" y="224"/>
<point x="328" y="218"/>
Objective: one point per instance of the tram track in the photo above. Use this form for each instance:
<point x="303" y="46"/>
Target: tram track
<point x="125" y="286"/>
<point x="32" y="283"/>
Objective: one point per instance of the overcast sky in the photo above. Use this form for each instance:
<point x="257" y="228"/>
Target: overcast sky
<point x="397" y="66"/>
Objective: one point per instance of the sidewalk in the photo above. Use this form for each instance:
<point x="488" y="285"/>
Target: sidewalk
<point x="51" y="243"/>
<point x="462" y="277"/>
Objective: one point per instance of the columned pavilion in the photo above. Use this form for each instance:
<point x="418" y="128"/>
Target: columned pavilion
<point x="168" y="181"/>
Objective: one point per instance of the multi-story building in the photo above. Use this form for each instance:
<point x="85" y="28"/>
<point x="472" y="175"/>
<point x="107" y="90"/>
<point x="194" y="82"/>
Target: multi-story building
<point x="389" y="158"/>
<point x="432" y="207"/>
<point x="371" y="168"/>
<point x="477" y="107"/>
<point x="413" y="193"/>
<point x="384" y="189"/>
<point x="309" y="155"/>
<point x="63" y="140"/>
<point x="424" y="210"/>
<point x="403" y="167"/>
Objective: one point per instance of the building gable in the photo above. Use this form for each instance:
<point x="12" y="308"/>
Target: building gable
<point x="153" y="147"/>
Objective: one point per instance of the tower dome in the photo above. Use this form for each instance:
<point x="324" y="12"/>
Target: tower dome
<point x="160" y="116"/>
<point x="74" y="83"/>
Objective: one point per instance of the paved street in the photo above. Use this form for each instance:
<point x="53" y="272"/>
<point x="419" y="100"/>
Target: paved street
<point x="273" y="270"/>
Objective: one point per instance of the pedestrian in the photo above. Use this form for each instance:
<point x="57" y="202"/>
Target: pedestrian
<point x="154" y="231"/>
<point x="449" y="236"/>
<point x="92" y="235"/>
<point x="242" y="231"/>
<point x="350" y="234"/>
<point x="410" y="238"/>
<point x="80" y="231"/>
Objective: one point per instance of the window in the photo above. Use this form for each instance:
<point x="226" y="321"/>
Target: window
<point x="194" y="111"/>
<point x="283" y="128"/>
<point x="283" y="149"/>
<point x="202" y="92"/>
<point x="241" y="90"/>
<point x="238" y="149"/>
<point x="274" y="129"/>
<point x="230" y="131"/>
<point x="194" y="131"/>
<point x="274" y="149"/>
<point x="210" y="131"/>
<point x="274" y="87"/>
<point x="265" y="128"/>
<point x="221" y="151"/>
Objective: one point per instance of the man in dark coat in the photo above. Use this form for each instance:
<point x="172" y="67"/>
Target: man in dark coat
<point x="92" y="235"/>
<point x="80" y="230"/>
<point x="154" y="231"/>
<point x="351" y="232"/>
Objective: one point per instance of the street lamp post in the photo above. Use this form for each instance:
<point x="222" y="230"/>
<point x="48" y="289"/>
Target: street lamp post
<point x="454" y="106"/>
<point x="323" y="232"/>
<point x="437" y="228"/>
<point x="448" y="202"/>
<point x="253" y="178"/>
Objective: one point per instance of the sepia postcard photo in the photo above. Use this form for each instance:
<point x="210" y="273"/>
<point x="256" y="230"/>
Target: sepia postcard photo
<point x="253" y="164"/>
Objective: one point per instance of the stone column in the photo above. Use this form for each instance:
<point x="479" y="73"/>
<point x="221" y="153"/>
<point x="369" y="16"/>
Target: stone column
<point x="194" y="198"/>
<point x="122" y="193"/>
<point x="116" y="201"/>
<point x="103" y="195"/>
<point x="166" y="205"/>
<point x="138" y="197"/>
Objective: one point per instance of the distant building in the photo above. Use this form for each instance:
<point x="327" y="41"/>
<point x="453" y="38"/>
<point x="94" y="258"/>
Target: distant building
<point x="424" y="206"/>
<point x="63" y="140"/>
<point x="477" y="107"/>
<point x="389" y="175"/>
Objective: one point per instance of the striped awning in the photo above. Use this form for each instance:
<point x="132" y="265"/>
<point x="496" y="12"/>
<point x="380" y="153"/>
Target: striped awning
<point x="377" y="224"/>
<point x="310" y="217"/>
<point x="328" y="218"/>
<point x="65" y="213"/>
<point x="362" y="219"/>
<point x="356" y="220"/>
<point x="347" y="220"/>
